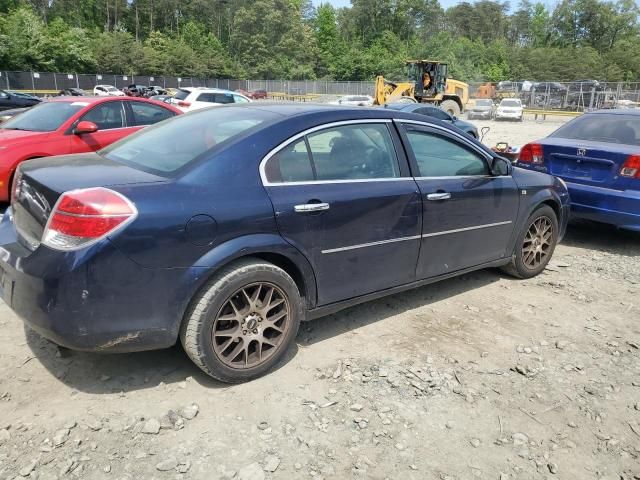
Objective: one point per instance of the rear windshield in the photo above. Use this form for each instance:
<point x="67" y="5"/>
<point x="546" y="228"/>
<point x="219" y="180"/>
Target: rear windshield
<point x="510" y="103"/>
<point x="483" y="103"/>
<point x="44" y="117"/>
<point x="170" y="145"/>
<point x="181" y="94"/>
<point x="608" y="128"/>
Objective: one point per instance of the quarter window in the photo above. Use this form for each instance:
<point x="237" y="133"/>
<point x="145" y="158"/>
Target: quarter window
<point x="349" y="152"/>
<point x="145" y="114"/>
<point x="291" y="164"/>
<point x="106" y="116"/>
<point x="441" y="157"/>
<point x="239" y="99"/>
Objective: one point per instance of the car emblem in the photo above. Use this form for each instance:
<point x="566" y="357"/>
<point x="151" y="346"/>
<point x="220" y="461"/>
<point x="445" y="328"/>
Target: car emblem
<point x="582" y="152"/>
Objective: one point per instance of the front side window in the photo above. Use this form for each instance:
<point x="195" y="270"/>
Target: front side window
<point x="240" y="99"/>
<point x="106" y="116"/>
<point x="348" y="152"/>
<point x="145" y="114"/>
<point x="438" y="156"/>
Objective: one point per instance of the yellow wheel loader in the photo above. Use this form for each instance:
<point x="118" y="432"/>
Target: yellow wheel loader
<point x="428" y="83"/>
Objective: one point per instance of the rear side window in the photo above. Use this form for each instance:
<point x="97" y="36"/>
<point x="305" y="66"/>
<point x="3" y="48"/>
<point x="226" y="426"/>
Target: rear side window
<point x="438" y="156"/>
<point x="349" y="152"/>
<point x="608" y="128"/>
<point x="291" y="164"/>
<point x="166" y="147"/>
<point x="435" y="113"/>
<point x="181" y="94"/>
<point x="222" y="98"/>
<point x="146" y="114"/>
<point x="106" y="116"/>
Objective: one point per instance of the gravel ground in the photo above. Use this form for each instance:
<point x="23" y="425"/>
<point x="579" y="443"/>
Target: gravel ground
<point x="481" y="376"/>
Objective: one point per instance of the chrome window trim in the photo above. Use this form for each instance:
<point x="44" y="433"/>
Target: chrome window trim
<point x="370" y="244"/>
<point x="482" y="153"/>
<point x="466" y="229"/>
<point x="289" y="141"/>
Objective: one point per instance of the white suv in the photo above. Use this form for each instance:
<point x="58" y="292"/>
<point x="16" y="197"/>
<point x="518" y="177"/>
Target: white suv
<point x="194" y="98"/>
<point x="511" y="109"/>
<point x="107" y="91"/>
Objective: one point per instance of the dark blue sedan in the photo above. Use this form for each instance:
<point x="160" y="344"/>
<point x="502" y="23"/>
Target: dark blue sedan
<point x="226" y="227"/>
<point x="435" y="112"/>
<point x="598" y="156"/>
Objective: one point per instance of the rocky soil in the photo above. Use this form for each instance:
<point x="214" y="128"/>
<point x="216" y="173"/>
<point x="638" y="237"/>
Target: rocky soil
<point x="478" y="377"/>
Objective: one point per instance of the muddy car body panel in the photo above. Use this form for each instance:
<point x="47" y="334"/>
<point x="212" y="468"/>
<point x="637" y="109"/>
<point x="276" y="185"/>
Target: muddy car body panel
<point x="242" y="195"/>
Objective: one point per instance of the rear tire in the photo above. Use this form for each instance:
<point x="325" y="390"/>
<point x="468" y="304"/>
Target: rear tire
<point x="535" y="244"/>
<point x="243" y="321"/>
<point x="451" y="107"/>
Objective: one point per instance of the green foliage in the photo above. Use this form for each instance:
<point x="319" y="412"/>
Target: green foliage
<point x="292" y="39"/>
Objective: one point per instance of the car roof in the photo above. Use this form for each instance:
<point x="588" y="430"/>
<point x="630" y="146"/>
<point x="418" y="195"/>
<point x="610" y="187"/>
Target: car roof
<point x="206" y="90"/>
<point x="96" y="100"/>
<point x="616" y="111"/>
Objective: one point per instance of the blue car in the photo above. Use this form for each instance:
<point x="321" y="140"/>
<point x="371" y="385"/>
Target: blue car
<point x="435" y="112"/>
<point x="226" y="227"/>
<point x="598" y="156"/>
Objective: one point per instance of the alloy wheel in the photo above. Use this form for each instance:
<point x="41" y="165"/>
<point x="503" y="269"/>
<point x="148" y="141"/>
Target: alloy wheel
<point x="537" y="243"/>
<point x="251" y="325"/>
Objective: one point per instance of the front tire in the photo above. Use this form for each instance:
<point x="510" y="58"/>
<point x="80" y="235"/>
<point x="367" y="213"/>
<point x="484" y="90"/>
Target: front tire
<point x="243" y="321"/>
<point x="535" y="244"/>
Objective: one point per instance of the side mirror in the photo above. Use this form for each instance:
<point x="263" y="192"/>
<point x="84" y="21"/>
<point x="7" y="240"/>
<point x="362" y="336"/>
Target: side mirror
<point x="454" y="118"/>
<point x="85" y="127"/>
<point x="501" y="167"/>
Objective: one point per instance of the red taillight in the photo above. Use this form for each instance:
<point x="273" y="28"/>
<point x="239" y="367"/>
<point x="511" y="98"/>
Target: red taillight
<point x="531" y="153"/>
<point x="184" y="104"/>
<point x="631" y="167"/>
<point x="82" y="217"/>
<point x="15" y="187"/>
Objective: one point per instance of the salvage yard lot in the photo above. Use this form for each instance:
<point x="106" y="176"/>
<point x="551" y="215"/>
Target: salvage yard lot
<point x="481" y="376"/>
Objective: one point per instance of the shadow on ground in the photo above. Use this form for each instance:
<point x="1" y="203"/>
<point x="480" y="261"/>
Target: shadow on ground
<point x="602" y="237"/>
<point x="109" y="374"/>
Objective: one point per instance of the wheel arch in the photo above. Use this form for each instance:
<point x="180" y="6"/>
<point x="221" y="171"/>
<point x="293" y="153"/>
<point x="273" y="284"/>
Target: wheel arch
<point x="271" y="248"/>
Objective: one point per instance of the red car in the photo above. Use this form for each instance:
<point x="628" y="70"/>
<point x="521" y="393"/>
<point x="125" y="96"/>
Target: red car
<point x="67" y="125"/>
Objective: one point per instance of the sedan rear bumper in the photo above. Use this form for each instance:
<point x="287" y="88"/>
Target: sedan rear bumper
<point x="90" y="302"/>
<point x="615" y="207"/>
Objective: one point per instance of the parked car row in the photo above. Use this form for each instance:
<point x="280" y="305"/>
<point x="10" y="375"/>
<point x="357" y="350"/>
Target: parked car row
<point x="507" y="109"/>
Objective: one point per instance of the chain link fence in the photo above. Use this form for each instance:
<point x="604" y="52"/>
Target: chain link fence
<point x="577" y="96"/>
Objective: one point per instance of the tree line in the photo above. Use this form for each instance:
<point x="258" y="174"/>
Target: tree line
<point x="290" y="39"/>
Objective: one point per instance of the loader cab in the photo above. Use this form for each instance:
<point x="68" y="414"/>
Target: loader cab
<point x="430" y="78"/>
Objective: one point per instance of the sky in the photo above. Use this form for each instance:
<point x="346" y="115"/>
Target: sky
<point x="346" y="3"/>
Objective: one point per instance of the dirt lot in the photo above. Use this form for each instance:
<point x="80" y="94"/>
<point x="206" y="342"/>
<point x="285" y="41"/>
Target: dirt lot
<point x="481" y="376"/>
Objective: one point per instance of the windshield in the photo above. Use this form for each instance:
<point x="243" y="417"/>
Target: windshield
<point x="111" y="89"/>
<point x="45" y="117"/>
<point x="171" y="145"/>
<point x="510" y="103"/>
<point x="608" y="128"/>
<point x="483" y="103"/>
